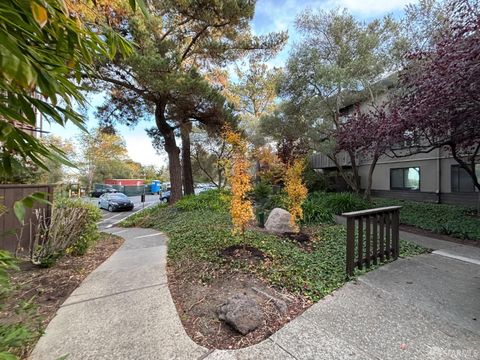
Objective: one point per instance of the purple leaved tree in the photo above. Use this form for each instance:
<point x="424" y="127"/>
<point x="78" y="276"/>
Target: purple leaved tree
<point x="438" y="105"/>
<point x="368" y="135"/>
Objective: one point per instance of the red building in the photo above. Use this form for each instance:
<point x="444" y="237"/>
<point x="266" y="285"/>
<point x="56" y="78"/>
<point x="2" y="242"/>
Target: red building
<point x="125" y="182"/>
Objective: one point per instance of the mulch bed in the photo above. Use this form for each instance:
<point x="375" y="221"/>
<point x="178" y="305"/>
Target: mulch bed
<point x="198" y="292"/>
<point x="418" y="231"/>
<point x="50" y="287"/>
<point x="243" y="252"/>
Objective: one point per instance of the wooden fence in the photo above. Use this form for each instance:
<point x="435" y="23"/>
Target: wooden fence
<point x="377" y="236"/>
<point x="14" y="236"/>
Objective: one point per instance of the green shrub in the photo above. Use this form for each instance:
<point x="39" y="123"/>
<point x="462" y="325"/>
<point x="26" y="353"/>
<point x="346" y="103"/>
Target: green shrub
<point x="215" y="200"/>
<point x="71" y="229"/>
<point x="320" y="207"/>
<point x="261" y="193"/>
<point x="89" y="234"/>
<point x="278" y="200"/>
<point x="444" y="219"/>
<point x="314" y="181"/>
<point x="315" y="212"/>
<point x="339" y="203"/>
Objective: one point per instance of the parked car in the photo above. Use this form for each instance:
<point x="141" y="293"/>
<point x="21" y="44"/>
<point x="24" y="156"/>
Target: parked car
<point x="99" y="192"/>
<point x="115" y="202"/>
<point x="165" y="195"/>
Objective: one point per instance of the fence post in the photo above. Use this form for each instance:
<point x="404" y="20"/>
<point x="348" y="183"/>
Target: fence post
<point x="367" y="242"/>
<point x="395" y="233"/>
<point x="350" y="245"/>
<point x="360" y="242"/>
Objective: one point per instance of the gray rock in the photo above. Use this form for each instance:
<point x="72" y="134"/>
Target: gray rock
<point x="242" y="313"/>
<point x="279" y="221"/>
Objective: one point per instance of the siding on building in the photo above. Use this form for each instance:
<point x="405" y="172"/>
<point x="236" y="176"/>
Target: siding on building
<point x="435" y="177"/>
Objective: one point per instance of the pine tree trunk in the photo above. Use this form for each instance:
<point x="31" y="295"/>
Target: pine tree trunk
<point x="173" y="152"/>
<point x="187" y="176"/>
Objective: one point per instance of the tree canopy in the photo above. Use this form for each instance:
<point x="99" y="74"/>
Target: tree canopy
<point x="176" y="45"/>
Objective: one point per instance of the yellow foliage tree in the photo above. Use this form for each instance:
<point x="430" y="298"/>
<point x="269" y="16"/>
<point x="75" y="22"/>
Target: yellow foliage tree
<point x="296" y="191"/>
<point x="241" y="209"/>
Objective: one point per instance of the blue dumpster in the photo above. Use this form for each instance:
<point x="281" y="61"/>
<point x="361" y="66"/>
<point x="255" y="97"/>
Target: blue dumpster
<point x="155" y="187"/>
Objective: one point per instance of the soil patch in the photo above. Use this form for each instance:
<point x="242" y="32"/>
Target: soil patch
<point x="418" y="231"/>
<point x="243" y="252"/>
<point x="197" y="302"/>
<point x="47" y="288"/>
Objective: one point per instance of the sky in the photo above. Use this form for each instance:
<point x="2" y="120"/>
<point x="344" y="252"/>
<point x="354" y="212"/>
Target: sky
<point x="270" y="15"/>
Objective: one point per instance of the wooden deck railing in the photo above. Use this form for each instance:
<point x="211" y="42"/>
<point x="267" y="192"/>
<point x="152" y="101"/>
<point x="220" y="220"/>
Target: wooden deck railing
<point x="377" y="237"/>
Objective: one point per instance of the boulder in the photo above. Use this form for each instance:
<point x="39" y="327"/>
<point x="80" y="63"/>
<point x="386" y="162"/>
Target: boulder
<point x="279" y="221"/>
<point x="242" y="313"/>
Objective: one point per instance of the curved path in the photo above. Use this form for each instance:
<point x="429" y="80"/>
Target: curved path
<point x="426" y="307"/>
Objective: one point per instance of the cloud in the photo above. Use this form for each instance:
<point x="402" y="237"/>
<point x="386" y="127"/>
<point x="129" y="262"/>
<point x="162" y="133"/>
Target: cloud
<point x="373" y="7"/>
<point x="140" y="148"/>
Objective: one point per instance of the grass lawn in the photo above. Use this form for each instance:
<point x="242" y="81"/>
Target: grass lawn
<point x="199" y="230"/>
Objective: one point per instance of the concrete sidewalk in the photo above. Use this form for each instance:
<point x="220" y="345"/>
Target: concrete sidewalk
<point x="425" y="307"/>
<point x="122" y="310"/>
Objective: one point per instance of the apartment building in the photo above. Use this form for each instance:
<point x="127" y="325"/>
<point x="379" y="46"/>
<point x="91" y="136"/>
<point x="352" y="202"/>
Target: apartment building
<point x="431" y="177"/>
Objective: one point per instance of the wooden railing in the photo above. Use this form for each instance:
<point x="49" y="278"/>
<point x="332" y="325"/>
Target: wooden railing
<point x="377" y="237"/>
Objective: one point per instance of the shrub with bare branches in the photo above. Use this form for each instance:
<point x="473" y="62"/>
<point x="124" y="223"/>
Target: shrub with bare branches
<point x="71" y="229"/>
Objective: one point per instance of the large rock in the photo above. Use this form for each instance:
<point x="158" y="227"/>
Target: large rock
<point x="242" y="313"/>
<point x="279" y="221"/>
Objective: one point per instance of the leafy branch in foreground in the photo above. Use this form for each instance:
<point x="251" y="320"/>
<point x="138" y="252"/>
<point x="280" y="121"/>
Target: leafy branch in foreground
<point x="45" y="51"/>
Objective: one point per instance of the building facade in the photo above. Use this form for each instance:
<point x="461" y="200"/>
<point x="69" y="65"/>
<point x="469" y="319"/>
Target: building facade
<point x="432" y="177"/>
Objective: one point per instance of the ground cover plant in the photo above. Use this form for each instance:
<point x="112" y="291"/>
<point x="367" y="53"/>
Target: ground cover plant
<point x="452" y="220"/>
<point x="203" y="253"/>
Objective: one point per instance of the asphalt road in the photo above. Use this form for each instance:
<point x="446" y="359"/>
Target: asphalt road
<point x="110" y="218"/>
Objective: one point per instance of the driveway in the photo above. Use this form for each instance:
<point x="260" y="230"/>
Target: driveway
<point x="110" y="218"/>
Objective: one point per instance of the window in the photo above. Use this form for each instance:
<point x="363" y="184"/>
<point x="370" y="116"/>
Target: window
<point x="461" y="180"/>
<point x="405" y="179"/>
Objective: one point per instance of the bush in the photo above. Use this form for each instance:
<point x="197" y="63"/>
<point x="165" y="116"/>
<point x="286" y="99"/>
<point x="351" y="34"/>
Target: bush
<point x="278" y="200"/>
<point x="314" y="212"/>
<point x="261" y="193"/>
<point x="71" y="229"/>
<point x="313" y="180"/>
<point x="320" y="207"/>
<point x="215" y="200"/>
<point x="339" y="203"/>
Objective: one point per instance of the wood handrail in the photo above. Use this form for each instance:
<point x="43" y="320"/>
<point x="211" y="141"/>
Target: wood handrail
<point x="371" y="211"/>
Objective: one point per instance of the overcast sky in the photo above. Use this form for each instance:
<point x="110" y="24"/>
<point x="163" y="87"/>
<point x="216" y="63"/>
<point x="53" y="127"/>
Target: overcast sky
<point x="270" y="15"/>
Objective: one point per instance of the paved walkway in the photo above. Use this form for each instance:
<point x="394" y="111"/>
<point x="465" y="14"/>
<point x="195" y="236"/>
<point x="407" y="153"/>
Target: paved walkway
<point x="427" y="307"/>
